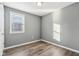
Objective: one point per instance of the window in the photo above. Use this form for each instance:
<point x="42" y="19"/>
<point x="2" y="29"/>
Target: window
<point x="56" y="32"/>
<point x="16" y="22"/>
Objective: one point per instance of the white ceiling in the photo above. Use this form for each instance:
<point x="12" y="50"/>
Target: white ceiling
<point x="32" y="7"/>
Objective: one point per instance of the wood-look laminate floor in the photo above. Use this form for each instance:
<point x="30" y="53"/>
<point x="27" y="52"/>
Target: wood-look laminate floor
<point x="39" y="49"/>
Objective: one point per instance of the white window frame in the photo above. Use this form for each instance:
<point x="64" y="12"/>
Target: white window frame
<point x="23" y="22"/>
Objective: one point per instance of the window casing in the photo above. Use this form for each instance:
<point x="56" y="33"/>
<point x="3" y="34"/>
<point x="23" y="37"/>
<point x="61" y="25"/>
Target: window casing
<point x="16" y="22"/>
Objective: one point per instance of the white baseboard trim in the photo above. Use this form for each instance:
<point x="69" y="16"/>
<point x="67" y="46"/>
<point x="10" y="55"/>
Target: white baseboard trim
<point x="21" y="44"/>
<point x="61" y="46"/>
<point x="44" y="41"/>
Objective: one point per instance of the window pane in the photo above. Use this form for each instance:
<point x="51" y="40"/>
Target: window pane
<point x="56" y="28"/>
<point x="16" y="27"/>
<point x="56" y="36"/>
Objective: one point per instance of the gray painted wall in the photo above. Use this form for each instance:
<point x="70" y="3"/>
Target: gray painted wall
<point x="47" y="29"/>
<point x="68" y="18"/>
<point x="32" y="28"/>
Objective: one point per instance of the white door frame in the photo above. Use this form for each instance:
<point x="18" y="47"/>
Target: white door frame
<point x="1" y="29"/>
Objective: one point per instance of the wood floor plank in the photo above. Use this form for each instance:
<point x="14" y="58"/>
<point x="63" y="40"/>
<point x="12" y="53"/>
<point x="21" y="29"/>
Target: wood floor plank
<point x="39" y="49"/>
